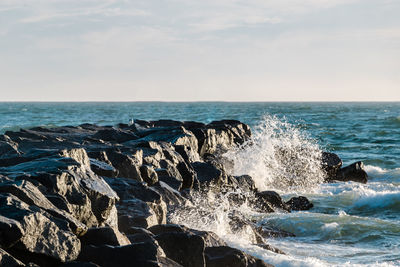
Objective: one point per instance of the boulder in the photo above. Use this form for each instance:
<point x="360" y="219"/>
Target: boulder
<point x="104" y="236"/>
<point x="137" y="254"/>
<point x="208" y="174"/>
<point x="354" y="172"/>
<point x="331" y="163"/>
<point x="29" y="230"/>
<point x="266" y="200"/>
<point x="228" y="256"/>
<point x="7" y="260"/>
<point x="299" y="203"/>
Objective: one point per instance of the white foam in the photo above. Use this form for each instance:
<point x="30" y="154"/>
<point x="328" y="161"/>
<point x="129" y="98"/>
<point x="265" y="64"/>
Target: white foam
<point x="279" y="156"/>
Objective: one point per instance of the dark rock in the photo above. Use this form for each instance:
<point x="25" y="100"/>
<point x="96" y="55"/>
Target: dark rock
<point x="139" y="205"/>
<point x="170" y="196"/>
<point x="103" y="169"/>
<point x="149" y="175"/>
<point x="244" y="182"/>
<point x="227" y="256"/>
<point x="299" y="203"/>
<point x="267" y="199"/>
<point x="115" y="135"/>
<point x="127" y="166"/>
<point x="137" y="254"/>
<point x="79" y="264"/>
<point x="209" y="174"/>
<point x="8" y="260"/>
<point x="354" y="172"/>
<point x="104" y="236"/>
<point x="331" y="163"/>
<point x="35" y="231"/>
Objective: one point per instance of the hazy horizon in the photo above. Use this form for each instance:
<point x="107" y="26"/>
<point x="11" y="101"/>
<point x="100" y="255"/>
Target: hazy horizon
<point x="200" y="51"/>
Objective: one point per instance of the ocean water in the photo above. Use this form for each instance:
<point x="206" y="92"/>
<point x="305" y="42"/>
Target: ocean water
<point x="351" y="224"/>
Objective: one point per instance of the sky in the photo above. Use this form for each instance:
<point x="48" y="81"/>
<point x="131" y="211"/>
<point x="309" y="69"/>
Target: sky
<point x="200" y="50"/>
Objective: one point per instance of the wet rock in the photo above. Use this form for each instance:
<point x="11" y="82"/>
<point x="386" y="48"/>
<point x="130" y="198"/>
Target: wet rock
<point x="331" y="163"/>
<point x="103" y="169"/>
<point x="137" y="254"/>
<point x="35" y="231"/>
<point x="354" y="172"/>
<point x="270" y="232"/>
<point x="227" y="256"/>
<point x="104" y="236"/>
<point x="209" y="174"/>
<point x="270" y="199"/>
<point x="8" y="260"/>
<point x="139" y="204"/>
<point x="148" y="174"/>
<point x="127" y="166"/>
<point x="299" y="203"/>
<point x="170" y="196"/>
<point x="67" y="174"/>
<point x="114" y="135"/>
<point x="244" y="182"/>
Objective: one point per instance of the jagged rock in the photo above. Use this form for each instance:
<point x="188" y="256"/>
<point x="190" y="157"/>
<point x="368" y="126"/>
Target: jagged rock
<point x="170" y="196"/>
<point x="7" y="260"/>
<point x="28" y="193"/>
<point x="183" y="245"/>
<point x="227" y="256"/>
<point x="67" y="174"/>
<point x="137" y="254"/>
<point x="149" y="175"/>
<point x="32" y="230"/>
<point x="79" y="264"/>
<point x="210" y="239"/>
<point x="272" y="198"/>
<point x="127" y="166"/>
<point x="115" y="135"/>
<point x="139" y="204"/>
<point x="209" y="174"/>
<point x="354" y="172"/>
<point x="103" y="169"/>
<point x="104" y="236"/>
<point x="331" y="163"/>
<point x="244" y="182"/>
<point x="299" y="203"/>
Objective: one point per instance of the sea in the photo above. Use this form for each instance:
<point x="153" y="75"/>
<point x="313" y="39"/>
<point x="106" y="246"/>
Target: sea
<point x="351" y="224"/>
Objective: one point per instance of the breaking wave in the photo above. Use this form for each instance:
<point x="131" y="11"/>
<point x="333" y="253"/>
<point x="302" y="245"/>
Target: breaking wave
<point x="280" y="156"/>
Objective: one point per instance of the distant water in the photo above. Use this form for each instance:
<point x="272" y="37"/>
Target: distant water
<point x="351" y="224"/>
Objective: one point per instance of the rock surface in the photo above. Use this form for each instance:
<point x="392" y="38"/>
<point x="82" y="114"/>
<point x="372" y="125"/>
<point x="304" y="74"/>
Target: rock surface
<point x="92" y="195"/>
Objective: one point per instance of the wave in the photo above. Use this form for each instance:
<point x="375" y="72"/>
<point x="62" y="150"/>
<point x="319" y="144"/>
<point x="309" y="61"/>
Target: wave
<point x="280" y="156"/>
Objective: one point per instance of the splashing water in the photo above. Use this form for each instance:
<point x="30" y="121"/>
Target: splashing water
<point x="279" y="156"/>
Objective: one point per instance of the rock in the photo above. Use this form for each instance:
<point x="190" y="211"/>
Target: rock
<point x="127" y="166"/>
<point x="244" y="182"/>
<point x="79" y="264"/>
<point x="137" y="254"/>
<point x="210" y="238"/>
<point x="104" y="236"/>
<point x="208" y="174"/>
<point x="184" y="248"/>
<point x="148" y="174"/>
<point x="331" y="163"/>
<point x="354" y="172"/>
<point x="227" y="256"/>
<point x="114" y="135"/>
<point x="28" y="193"/>
<point x="103" y="169"/>
<point x="170" y="196"/>
<point x="267" y="199"/>
<point x="67" y="174"/>
<point x="139" y="204"/>
<point x="299" y="203"/>
<point x="35" y="231"/>
<point x="8" y="260"/>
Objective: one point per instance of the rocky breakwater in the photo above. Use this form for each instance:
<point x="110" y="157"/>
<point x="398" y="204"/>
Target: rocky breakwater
<point x="93" y="195"/>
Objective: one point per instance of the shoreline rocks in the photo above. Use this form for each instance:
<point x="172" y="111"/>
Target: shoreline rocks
<point x="93" y="195"/>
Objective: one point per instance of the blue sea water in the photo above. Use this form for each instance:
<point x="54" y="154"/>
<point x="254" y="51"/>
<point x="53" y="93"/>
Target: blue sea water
<point x="351" y="224"/>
